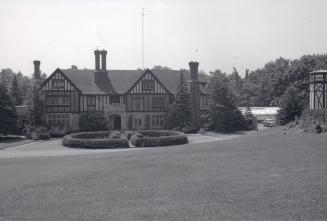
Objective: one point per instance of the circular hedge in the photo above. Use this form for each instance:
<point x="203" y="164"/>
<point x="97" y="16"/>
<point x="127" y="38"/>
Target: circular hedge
<point x="96" y="140"/>
<point x="155" y="138"/>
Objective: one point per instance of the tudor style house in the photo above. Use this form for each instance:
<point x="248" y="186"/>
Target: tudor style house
<point x="129" y="99"/>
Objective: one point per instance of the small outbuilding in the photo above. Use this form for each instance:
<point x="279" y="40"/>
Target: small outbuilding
<point x="262" y="113"/>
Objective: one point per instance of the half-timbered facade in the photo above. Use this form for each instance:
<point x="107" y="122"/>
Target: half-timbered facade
<point x="129" y="99"/>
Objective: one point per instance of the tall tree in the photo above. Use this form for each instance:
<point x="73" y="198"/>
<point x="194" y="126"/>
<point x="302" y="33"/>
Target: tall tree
<point x="36" y="106"/>
<point x="8" y="116"/>
<point x="16" y="92"/>
<point x="292" y="103"/>
<point x="180" y="113"/>
<point x="224" y="116"/>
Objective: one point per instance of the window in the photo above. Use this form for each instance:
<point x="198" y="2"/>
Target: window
<point x="91" y="103"/>
<point x="158" y="120"/>
<point x="58" y="100"/>
<point x="58" y="119"/>
<point x="137" y="104"/>
<point x="58" y="83"/>
<point x="137" y="122"/>
<point x="114" y="99"/>
<point x="148" y="85"/>
<point x="205" y="101"/>
<point x="158" y="101"/>
<point x="319" y="77"/>
<point x="171" y="99"/>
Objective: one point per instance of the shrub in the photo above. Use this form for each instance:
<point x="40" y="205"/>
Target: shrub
<point x="93" y="121"/>
<point x="37" y="133"/>
<point x="95" y="140"/>
<point x="155" y="138"/>
<point x="310" y="119"/>
<point x="40" y="136"/>
<point x="57" y="131"/>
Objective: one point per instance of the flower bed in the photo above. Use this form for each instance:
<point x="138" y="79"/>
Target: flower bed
<point x="96" y="140"/>
<point x="155" y="138"/>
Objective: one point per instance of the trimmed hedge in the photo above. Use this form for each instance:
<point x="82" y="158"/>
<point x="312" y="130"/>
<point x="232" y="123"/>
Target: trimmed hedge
<point x="95" y="140"/>
<point x="156" y="138"/>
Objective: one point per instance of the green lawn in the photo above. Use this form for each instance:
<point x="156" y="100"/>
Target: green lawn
<point x="12" y="141"/>
<point x="259" y="176"/>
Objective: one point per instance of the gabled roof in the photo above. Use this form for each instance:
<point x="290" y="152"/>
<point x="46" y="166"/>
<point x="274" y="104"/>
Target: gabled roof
<point x="123" y="80"/>
<point x="318" y="72"/>
<point x="170" y="78"/>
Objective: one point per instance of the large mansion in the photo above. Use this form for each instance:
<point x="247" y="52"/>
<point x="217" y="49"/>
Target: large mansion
<point x="129" y="99"/>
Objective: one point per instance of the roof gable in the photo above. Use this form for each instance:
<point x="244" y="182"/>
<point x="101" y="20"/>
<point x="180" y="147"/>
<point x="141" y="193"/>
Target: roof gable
<point x="148" y="77"/>
<point x="49" y="83"/>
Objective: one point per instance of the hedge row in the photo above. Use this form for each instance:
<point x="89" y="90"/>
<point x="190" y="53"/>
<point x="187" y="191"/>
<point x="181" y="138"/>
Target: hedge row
<point x="155" y="138"/>
<point x="95" y="140"/>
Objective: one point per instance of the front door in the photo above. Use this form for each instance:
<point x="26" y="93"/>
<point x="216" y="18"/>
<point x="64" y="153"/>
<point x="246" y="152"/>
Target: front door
<point x="117" y="122"/>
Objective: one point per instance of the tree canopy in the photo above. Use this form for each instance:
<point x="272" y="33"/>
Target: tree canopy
<point x="7" y="112"/>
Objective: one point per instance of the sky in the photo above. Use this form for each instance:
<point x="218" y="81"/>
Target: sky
<point x="219" y="34"/>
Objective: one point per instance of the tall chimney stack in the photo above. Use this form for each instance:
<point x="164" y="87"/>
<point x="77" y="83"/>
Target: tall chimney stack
<point x="97" y="59"/>
<point x="37" y="74"/>
<point x="194" y="90"/>
<point x="104" y="59"/>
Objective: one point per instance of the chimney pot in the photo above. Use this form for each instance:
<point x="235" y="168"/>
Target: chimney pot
<point x="104" y="60"/>
<point x="194" y="75"/>
<point x="37" y="74"/>
<point x="97" y="59"/>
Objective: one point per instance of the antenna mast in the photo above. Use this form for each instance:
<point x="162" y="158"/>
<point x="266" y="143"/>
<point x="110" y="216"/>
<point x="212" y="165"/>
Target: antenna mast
<point x="142" y="38"/>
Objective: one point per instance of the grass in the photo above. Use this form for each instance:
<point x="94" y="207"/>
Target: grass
<point x="12" y="141"/>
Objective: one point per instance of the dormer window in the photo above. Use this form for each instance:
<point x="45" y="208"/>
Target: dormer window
<point x="148" y="85"/>
<point x="58" y="84"/>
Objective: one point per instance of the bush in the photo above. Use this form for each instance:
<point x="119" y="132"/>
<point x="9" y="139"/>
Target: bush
<point x="42" y="132"/>
<point x="36" y="133"/>
<point x="93" y="121"/>
<point x="40" y="136"/>
<point x="311" y="120"/>
<point x="95" y="140"/>
<point x="155" y="138"/>
<point x="58" y="131"/>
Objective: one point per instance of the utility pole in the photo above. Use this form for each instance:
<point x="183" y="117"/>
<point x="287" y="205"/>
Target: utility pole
<point x="142" y="37"/>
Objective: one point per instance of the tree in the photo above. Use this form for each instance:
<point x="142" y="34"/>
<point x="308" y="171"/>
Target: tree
<point x="8" y="116"/>
<point x="224" y="116"/>
<point x="35" y="105"/>
<point x="293" y="102"/>
<point x="93" y="121"/>
<point x="180" y="113"/>
<point x="159" y="67"/>
<point x="16" y="92"/>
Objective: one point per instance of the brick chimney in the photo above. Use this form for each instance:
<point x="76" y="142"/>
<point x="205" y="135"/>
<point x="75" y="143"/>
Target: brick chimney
<point x="97" y="60"/>
<point x="37" y="73"/>
<point x="101" y="77"/>
<point x="194" y="90"/>
<point x="104" y="59"/>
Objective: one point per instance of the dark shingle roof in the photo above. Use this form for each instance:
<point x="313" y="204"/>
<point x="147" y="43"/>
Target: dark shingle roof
<point x="170" y="78"/>
<point x="123" y="80"/>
